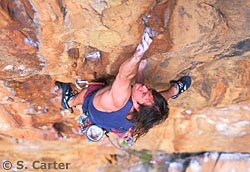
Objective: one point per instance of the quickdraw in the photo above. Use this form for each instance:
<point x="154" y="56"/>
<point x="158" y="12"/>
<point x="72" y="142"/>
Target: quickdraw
<point x="84" y="122"/>
<point x="129" y="138"/>
<point x="85" y="84"/>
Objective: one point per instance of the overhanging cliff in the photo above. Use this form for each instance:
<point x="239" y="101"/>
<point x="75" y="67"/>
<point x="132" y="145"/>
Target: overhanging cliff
<point x="42" y="42"/>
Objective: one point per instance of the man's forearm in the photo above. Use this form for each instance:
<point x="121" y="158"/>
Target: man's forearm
<point x="129" y="68"/>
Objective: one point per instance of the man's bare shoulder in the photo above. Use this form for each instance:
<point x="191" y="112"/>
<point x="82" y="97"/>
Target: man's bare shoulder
<point x="104" y="101"/>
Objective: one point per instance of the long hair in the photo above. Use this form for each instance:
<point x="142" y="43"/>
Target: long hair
<point x="149" y="116"/>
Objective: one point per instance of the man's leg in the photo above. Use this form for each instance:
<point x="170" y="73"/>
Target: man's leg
<point x="69" y="98"/>
<point x="78" y="99"/>
<point x="172" y="91"/>
<point x="177" y="88"/>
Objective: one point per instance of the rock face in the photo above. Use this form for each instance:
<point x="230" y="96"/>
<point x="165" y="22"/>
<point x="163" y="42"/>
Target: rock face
<point x="42" y="42"/>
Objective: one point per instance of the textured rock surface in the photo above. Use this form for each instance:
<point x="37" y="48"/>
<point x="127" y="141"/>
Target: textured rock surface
<point x="206" y="162"/>
<point x="42" y="42"/>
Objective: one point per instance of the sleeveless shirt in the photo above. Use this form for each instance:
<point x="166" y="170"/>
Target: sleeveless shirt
<point x="111" y="120"/>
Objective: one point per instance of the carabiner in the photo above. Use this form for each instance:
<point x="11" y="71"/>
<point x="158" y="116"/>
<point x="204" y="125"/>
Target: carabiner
<point x="79" y="81"/>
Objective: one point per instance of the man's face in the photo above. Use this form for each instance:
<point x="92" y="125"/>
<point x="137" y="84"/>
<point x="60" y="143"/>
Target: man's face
<point x="142" y="94"/>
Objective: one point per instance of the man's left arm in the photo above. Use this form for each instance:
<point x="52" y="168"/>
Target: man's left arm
<point x="140" y="74"/>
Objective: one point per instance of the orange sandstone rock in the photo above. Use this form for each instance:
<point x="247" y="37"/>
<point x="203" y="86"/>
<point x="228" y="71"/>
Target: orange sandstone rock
<point x="42" y="42"/>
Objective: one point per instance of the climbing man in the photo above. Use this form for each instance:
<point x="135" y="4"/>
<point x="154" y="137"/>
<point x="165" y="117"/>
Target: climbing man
<point x="122" y="106"/>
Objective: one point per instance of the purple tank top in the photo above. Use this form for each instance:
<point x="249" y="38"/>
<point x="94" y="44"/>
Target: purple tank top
<point x="111" y="120"/>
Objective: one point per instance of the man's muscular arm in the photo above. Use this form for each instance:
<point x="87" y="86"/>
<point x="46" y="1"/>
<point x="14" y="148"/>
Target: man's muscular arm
<point x="121" y="88"/>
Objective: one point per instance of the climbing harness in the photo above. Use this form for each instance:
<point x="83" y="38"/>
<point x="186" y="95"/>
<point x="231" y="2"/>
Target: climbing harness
<point x="94" y="133"/>
<point x="80" y="84"/>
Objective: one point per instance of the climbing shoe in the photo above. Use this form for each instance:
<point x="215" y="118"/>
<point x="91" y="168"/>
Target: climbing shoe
<point x="182" y="85"/>
<point x="67" y="95"/>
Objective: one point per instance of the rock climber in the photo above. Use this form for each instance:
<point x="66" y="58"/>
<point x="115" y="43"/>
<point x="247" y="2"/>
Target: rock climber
<point x="121" y="105"/>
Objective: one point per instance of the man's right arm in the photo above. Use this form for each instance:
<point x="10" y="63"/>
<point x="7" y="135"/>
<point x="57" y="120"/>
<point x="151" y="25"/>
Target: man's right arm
<point x="121" y="88"/>
<point x="120" y="91"/>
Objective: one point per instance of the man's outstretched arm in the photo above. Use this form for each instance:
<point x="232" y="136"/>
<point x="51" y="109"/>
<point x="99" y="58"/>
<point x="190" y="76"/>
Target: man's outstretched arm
<point x="121" y="88"/>
<point x="130" y="67"/>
